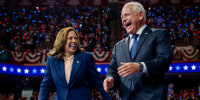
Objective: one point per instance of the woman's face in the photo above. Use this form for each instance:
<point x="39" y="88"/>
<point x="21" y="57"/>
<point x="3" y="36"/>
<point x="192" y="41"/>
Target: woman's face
<point x="71" y="43"/>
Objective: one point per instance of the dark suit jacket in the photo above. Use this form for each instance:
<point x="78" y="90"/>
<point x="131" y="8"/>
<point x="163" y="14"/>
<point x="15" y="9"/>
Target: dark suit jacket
<point x="154" y="50"/>
<point x="83" y="73"/>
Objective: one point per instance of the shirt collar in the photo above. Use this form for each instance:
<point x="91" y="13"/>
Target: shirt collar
<point x="139" y="32"/>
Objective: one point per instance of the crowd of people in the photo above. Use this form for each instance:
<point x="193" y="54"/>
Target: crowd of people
<point x="183" y="94"/>
<point x="29" y="29"/>
<point x="35" y="29"/>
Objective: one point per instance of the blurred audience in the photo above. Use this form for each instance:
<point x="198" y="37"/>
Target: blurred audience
<point x="182" y="94"/>
<point x="30" y="29"/>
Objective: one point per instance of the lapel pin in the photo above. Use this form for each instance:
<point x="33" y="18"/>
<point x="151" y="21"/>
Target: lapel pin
<point x="145" y="33"/>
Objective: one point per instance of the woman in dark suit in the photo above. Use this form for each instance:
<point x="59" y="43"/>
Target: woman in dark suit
<point x="70" y="70"/>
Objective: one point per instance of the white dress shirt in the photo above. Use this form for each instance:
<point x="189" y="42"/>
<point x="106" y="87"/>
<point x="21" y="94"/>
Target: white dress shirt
<point x="68" y="67"/>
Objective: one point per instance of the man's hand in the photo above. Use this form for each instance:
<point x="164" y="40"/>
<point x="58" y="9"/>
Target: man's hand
<point x="108" y="84"/>
<point x="128" y="68"/>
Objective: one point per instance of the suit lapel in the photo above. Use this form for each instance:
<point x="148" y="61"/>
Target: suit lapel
<point x="75" y="67"/>
<point x="59" y="64"/>
<point x="126" y="48"/>
<point x="145" y="33"/>
<point x="128" y="58"/>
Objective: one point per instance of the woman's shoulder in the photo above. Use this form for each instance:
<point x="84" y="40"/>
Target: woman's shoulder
<point x="51" y="57"/>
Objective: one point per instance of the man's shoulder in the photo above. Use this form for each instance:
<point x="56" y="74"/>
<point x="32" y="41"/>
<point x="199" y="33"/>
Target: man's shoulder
<point x="158" y="29"/>
<point x="121" y="41"/>
<point x="159" y="32"/>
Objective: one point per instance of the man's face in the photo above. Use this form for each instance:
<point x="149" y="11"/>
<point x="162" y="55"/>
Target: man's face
<point x="131" y="19"/>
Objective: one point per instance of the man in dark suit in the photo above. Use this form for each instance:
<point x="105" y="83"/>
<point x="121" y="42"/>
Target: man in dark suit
<point x="140" y="61"/>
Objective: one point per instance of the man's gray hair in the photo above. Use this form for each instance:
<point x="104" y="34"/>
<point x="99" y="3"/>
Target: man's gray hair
<point x="137" y="7"/>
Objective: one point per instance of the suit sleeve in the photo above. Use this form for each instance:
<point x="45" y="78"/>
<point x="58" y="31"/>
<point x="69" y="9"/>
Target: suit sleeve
<point x="95" y="78"/>
<point x="47" y="83"/>
<point x="112" y="69"/>
<point x="164" y="54"/>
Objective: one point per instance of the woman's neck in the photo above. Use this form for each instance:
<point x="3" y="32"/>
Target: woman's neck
<point x="67" y="55"/>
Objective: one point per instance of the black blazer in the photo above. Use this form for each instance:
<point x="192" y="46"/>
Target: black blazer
<point x="154" y="49"/>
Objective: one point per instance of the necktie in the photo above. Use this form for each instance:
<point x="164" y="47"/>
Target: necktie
<point x="134" y="45"/>
<point x="132" y="55"/>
